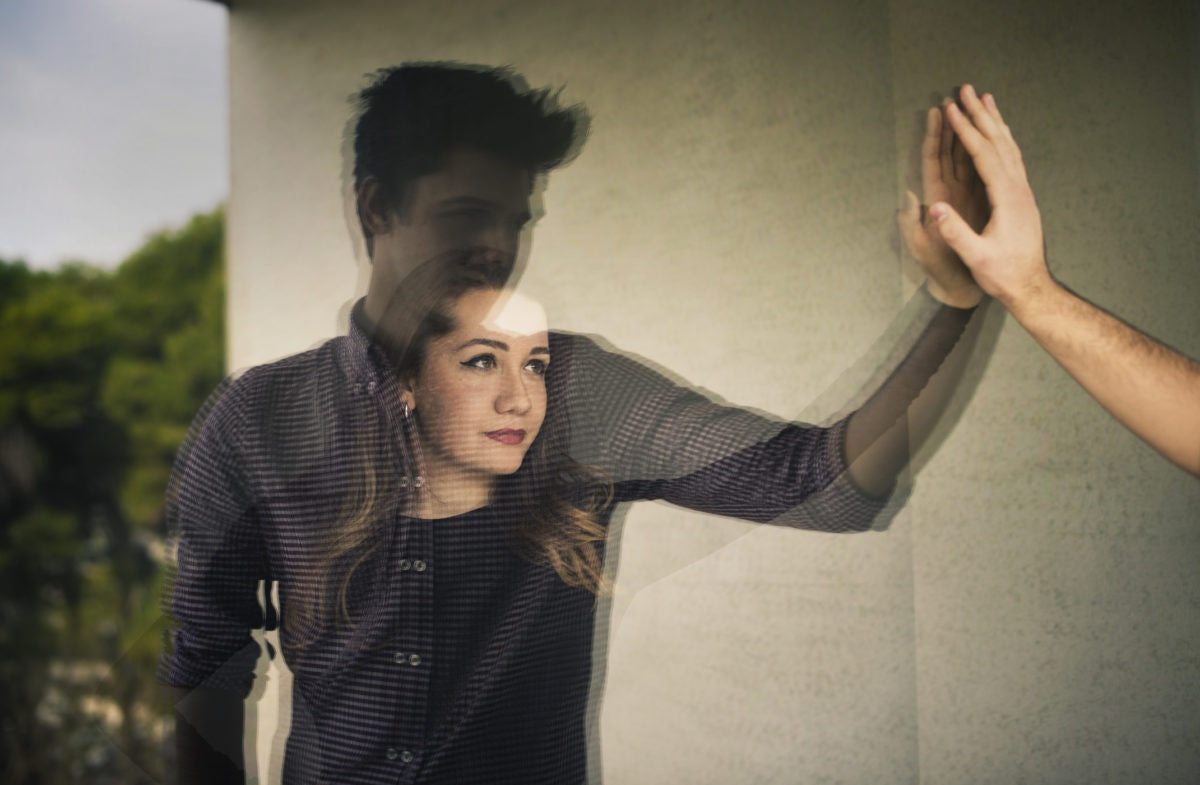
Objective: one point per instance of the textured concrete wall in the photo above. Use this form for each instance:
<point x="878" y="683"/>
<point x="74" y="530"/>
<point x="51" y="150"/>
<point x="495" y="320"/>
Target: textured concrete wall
<point x="1057" y="596"/>
<point x="1032" y="615"/>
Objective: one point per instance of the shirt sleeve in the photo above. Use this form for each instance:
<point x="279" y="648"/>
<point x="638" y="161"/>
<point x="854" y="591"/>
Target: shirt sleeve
<point x="217" y="557"/>
<point x="659" y="438"/>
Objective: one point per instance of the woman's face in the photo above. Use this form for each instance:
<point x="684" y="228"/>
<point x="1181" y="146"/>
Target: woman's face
<point x="480" y="396"/>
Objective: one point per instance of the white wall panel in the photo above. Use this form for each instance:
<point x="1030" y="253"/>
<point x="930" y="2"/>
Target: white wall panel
<point x="1033" y="615"/>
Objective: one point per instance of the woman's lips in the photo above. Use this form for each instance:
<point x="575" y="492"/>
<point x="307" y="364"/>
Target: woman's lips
<point x="507" y="436"/>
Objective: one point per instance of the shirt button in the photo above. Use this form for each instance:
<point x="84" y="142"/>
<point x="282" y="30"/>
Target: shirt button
<point x="398" y="658"/>
<point x="406" y="757"/>
<point x="403" y="482"/>
<point x="392" y="753"/>
<point x="405" y="564"/>
<point x="414" y="659"/>
<point x="419" y="565"/>
<point x="371" y="387"/>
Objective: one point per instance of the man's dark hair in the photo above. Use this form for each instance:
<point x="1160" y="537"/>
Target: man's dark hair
<point x="412" y="116"/>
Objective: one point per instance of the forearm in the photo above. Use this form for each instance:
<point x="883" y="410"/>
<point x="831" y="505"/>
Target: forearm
<point x="1152" y="390"/>
<point x="208" y="737"/>
<point x="884" y="434"/>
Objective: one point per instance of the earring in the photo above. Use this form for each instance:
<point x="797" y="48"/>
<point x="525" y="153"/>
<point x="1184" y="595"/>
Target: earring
<point x="410" y="431"/>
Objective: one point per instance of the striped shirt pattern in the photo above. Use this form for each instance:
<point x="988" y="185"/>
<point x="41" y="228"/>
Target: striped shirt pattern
<point x="451" y="660"/>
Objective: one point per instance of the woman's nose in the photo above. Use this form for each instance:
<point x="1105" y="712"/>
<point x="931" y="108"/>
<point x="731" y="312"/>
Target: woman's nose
<point x="514" y="397"/>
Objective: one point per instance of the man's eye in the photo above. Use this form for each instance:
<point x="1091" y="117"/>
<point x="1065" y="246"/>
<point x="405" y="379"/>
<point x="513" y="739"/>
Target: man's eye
<point x="470" y="214"/>
<point x="481" y="361"/>
<point x="537" y="367"/>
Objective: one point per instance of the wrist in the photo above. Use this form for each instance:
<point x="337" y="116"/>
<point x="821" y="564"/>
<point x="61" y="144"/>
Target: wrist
<point x="1032" y="301"/>
<point x="965" y="297"/>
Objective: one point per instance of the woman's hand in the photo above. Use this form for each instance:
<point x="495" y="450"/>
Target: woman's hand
<point x="947" y="177"/>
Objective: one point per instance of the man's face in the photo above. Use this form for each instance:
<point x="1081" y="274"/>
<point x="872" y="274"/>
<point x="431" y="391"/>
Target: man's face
<point x="476" y="200"/>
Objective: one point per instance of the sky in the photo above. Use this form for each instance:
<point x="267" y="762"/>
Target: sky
<point x="113" y="124"/>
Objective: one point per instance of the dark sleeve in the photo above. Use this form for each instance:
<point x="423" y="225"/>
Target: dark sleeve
<point x="796" y="478"/>
<point x="659" y="438"/>
<point x="217" y="557"/>
<point x="211" y="597"/>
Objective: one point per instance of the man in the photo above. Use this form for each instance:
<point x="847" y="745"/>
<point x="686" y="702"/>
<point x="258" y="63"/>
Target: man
<point x="1152" y="390"/>
<point x="445" y="161"/>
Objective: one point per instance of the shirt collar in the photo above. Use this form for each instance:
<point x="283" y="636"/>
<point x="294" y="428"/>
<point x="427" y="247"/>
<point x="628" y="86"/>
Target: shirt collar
<point x="365" y="360"/>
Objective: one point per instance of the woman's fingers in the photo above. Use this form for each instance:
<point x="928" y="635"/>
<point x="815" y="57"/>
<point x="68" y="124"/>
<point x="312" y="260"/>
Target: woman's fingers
<point x="909" y="220"/>
<point x="946" y="147"/>
<point x="963" y="169"/>
<point x="931" y="166"/>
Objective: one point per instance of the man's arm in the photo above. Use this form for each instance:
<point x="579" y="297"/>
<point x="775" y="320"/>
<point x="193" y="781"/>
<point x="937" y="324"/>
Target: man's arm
<point x="1152" y="390"/>
<point x="211" y="597"/>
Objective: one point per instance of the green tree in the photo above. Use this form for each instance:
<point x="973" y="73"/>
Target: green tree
<point x="100" y="373"/>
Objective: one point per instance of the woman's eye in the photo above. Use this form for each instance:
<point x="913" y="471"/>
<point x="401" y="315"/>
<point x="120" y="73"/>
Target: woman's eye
<point x="482" y="361"/>
<point x="537" y="366"/>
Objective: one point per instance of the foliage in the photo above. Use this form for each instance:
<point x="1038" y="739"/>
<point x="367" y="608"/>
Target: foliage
<point x="100" y="373"/>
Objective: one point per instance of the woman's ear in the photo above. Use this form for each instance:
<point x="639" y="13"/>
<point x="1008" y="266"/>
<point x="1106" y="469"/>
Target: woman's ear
<point x="408" y="402"/>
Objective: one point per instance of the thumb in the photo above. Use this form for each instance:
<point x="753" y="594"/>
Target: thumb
<point x="955" y="232"/>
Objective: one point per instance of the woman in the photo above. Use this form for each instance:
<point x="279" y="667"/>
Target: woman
<point x="465" y="581"/>
<point x="436" y="529"/>
<point x="447" y="631"/>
